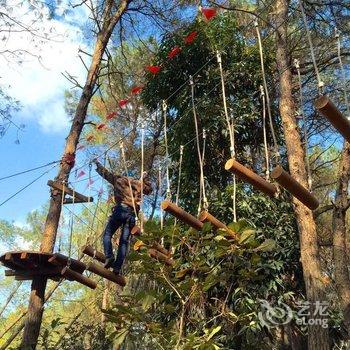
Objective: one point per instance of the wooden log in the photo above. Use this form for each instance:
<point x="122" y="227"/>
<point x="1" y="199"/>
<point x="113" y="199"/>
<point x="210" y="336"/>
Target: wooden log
<point x="161" y="257"/>
<point x="109" y="275"/>
<point x="90" y="251"/>
<point x="60" y="259"/>
<point x="249" y="176"/>
<point x="58" y="186"/>
<point x="41" y="271"/>
<point x="160" y="248"/>
<point x="182" y="215"/>
<point x="326" y="107"/>
<point x="205" y="216"/>
<point x="294" y="187"/>
<point x="75" y="276"/>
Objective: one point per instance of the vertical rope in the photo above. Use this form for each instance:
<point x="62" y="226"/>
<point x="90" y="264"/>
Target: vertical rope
<point x="160" y="193"/>
<point x="179" y="176"/>
<point x="230" y="127"/>
<point x="71" y="230"/>
<point x="346" y="99"/>
<point x="142" y="172"/>
<point x="267" y="96"/>
<point x="266" y="150"/>
<point x="201" y="181"/>
<point x="320" y="83"/>
<point x="62" y="206"/>
<point x="168" y="192"/>
<point x="127" y="176"/>
<point x="301" y="110"/>
<point x="204" y="136"/>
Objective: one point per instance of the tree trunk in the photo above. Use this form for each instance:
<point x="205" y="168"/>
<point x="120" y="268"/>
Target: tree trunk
<point x="318" y="338"/>
<point x="340" y="253"/>
<point x="36" y="302"/>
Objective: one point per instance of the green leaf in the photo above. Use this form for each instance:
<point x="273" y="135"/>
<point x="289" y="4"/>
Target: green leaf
<point x="213" y="332"/>
<point x="120" y="337"/>
<point x="267" y="246"/>
<point x="246" y="235"/>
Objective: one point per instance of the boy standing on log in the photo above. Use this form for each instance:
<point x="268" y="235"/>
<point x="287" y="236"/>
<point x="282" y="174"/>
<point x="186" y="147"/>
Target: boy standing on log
<point x="123" y="214"/>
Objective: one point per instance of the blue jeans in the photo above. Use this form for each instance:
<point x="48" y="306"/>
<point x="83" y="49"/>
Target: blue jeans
<point x="122" y="215"/>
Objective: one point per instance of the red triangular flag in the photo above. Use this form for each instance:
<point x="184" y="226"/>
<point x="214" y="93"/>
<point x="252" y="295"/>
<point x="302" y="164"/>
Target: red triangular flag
<point x="100" y="191"/>
<point x="136" y="90"/>
<point x="81" y="173"/>
<point x="153" y="69"/>
<point x="190" y="37"/>
<point x="209" y="13"/>
<point x="111" y="115"/>
<point x="175" y="51"/>
<point x="100" y="126"/>
<point x="123" y="103"/>
<point x="90" y="138"/>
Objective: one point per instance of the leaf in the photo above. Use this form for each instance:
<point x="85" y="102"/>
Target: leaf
<point x="182" y="273"/>
<point x="120" y="337"/>
<point x="246" y="235"/>
<point x="267" y="246"/>
<point x="213" y="332"/>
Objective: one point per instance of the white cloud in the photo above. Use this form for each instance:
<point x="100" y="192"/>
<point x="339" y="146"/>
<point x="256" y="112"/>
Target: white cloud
<point x="38" y="83"/>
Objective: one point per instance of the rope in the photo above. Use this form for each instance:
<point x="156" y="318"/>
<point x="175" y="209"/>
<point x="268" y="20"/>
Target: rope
<point x="201" y="181"/>
<point x="337" y="35"/>
<point x="204" y="136"/>
<point x="29" y="170"/>
<point x="160" y="191"/>
<point x="320" y="83"/>
<point x="142" y="173"/>
<point x="168" y="192"/>
<point x="301" y="110"/>
<point x="230" y="127"/>
<point x="71" y="230"/>
<point x="266" y="150"/>
<point x="267" y="96"/>
<point x="129" y="182"/>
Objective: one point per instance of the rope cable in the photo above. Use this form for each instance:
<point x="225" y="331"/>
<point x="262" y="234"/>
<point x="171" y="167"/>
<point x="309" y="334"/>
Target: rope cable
<point x="320" y="83"/>
<point x="168" y="191"/>
<point x="301" y="111"/>
<point x="267" y="96"/>
<point x="266" y="149"/>
<point x="142" y="174"/>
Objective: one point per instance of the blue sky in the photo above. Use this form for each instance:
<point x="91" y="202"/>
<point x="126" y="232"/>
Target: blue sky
<point x="36" y="80"/>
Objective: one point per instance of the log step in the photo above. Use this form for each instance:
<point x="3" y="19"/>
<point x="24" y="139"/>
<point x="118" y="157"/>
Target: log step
<point x="90" y="251"/>
<point x="109" y="275"/>
<point x="160" y="257"/>
<point x="75" y="276"/>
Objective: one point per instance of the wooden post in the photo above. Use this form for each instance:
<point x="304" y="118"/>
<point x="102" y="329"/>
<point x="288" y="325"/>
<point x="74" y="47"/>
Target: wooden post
<point x="205" y="216"/>
<point x="182" y="215"/>
<point x="294" y="187"/>
<point x="326" y="107"/>
<point x="90" y="251"/>
<point x="109" y="275"/>
<point x="76" y="276"/>
<point x="160" y="256"/>
<point x="249" y="176"/>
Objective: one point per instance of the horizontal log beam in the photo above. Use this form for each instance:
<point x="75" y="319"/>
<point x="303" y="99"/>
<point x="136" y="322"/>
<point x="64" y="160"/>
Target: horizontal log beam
<point x="249" y="176"/>
<point x="90" y="251"/>
<point x="60" y="259"/>
<point x="75" y="276"/>
<point x="160" y="248"/>
<point x="160" y="257"/>
<point x="136" y="231"/>
<point x="80" y="197"/>
<point x="109" y="275"/>
<point x="326" y="107"/>
<point x="182" y="215"/>
<point x="205" y="216"/>
<point x="295" y="188"/>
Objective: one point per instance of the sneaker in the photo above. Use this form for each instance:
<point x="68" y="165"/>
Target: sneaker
<point x="109" y="263"/>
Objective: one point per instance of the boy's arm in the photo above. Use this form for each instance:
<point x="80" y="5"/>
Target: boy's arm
<point x="106" y="174"/>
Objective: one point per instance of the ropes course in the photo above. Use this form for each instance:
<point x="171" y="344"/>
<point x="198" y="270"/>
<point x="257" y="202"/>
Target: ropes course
<point x="26" y="265"/>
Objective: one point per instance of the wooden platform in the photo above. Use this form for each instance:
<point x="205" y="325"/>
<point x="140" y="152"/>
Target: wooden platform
<point x="25" y="265"/>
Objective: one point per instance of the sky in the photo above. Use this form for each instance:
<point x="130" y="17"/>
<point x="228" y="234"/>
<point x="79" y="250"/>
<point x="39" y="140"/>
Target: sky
<point x="39" y="85"/>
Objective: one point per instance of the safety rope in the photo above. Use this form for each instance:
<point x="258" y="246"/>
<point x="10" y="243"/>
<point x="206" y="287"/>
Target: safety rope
<point x="320" y="83"/>
<point x="346" y="99"/>
<point x="160" y="192"/>
<point x="266" y="149"/>
<point x="71" y="230"/>
<point x="204" y="136"/>
<point x="129" y="182"/>
<point x="205" y="201"/>
<point x="267" y="96"/>
<point x="179" y="180"/>
<point x="301" y="111"/>
<point x="168" y="191"/>
<point x="230" y="127"/>
<point x="142" y="173"/>
<point x="62" y="206"/>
